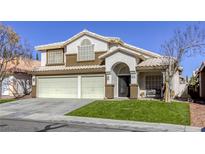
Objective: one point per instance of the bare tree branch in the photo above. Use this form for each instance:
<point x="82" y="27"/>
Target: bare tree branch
<point x="11" y="50"/>
<point x="188" y="42"/>
<point x="185" y="43"/>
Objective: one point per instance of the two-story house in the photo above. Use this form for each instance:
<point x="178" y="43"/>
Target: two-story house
<point x="89" y="65"/>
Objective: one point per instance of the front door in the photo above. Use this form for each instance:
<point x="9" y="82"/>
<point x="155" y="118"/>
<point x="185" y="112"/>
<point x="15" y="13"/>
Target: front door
<point x="124" y="86"/>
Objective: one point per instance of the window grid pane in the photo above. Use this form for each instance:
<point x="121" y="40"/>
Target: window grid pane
<point x="153" y="82"/>
<point x="55" y="57"/>
<point x="86" y="52"/>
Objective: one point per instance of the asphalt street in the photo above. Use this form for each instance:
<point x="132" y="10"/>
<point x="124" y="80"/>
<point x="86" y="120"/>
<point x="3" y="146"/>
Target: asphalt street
<point x="9" y="125"/>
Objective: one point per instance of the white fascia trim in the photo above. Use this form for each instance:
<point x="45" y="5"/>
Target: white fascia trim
<point x="62" y="44"/>
<point x="51" y="45"/>
<point x="121" y="49"/>
<point x="86" y="32"/>
<point x="89" y="33"/>
<point x="143" y="51"/>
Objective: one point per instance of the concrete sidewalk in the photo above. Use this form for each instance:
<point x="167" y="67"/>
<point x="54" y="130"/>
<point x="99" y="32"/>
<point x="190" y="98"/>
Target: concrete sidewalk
<point x="114" y="124"/>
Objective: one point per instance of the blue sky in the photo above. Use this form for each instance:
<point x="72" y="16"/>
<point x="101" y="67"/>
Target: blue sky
<point x="147" y="35"/>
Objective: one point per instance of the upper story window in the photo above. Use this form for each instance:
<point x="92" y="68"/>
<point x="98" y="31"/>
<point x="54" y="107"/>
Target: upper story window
<point x="55" y="57"/>
<point x="86" y="51"/>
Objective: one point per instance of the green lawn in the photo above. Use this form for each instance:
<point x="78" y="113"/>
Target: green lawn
<point x="6" y="100"/>
<point x="137" y="110"/>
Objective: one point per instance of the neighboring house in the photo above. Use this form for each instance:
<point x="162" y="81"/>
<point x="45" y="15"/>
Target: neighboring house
<point x="201" y="80"/>
<point x="18" y="81"/>
<point x="89" y="65"/>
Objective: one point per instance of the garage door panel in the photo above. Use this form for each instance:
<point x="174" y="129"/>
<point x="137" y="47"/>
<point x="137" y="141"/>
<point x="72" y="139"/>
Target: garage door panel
<point x="57" y="87"/>
<point x="92" y="87"/>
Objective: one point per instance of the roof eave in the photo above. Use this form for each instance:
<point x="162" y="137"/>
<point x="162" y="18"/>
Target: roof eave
<point x="150" y="67"/>
<point x="72" y="71"/>
<point x="146" y="52"/>
<point x="109" y="53"/>
<point x="85" y="32"/>
<point x="43" y="48"/>
<point x="100" y="37"/>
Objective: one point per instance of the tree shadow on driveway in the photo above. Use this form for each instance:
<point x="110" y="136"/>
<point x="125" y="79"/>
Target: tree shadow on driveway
<point x="52" y="126"/>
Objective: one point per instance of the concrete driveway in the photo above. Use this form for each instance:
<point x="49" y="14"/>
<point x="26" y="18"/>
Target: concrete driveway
<point x="26" y="107"/>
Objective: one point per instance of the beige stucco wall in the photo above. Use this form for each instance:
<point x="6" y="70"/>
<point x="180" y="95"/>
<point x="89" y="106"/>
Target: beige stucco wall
<point x="71" y="60"/>
<point x="43" y="58"/>
<point x="175" y="83"/>
<point x="72" y="48"/>
<point x="120" y="57"/>
<point x="114" y="82"/>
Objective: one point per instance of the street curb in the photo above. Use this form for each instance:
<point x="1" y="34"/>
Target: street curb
<point x="110" y="123"/>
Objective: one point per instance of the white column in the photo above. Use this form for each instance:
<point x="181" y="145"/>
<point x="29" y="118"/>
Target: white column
<point x="33" y="80"/>
<point x="164" y="76"/>
<point x="108" y="78"/>
<point x="138" y="87"/>
<point x="79" y="86"/>
<point x="137" y="78"/>
<point x="133" y="77"/>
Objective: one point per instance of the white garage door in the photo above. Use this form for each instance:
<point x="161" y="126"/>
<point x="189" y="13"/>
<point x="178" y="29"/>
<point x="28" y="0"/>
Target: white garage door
<point x="92" y="87"/>
<point x="57" y="87"/>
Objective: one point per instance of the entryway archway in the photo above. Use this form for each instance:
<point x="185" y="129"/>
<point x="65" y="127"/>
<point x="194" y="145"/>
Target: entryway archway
<point x="122" y="74"/>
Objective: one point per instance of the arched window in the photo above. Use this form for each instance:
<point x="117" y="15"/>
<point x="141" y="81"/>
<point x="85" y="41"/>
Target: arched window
<point x="86" y="51"/>
<point x="124" y="70"/>
<point x="85" y="42"/>
<point x="121" y="69"/>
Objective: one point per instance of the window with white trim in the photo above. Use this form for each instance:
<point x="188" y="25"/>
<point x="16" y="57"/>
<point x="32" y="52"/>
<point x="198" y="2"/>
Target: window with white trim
<point x="55" y="57"/>
<point x="86" y="51"/>
<point x="153" y="82"/>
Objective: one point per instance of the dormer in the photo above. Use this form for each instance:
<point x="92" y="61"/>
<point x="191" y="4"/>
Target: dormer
<point x="85" y="50"/>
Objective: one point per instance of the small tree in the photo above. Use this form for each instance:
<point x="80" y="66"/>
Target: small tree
<point x="193" y="88"/>
<point x="187" y="42"/>
<point x="11" y="50"/>
<point x="193" y="81"/>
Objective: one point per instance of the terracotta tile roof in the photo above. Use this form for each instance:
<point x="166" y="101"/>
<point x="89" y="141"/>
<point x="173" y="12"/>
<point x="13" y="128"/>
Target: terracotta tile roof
<point x="155" y="62"/>
<point x="104" y="38"/>
<point x="22" y="65"/>
<point x="61" y="68"/>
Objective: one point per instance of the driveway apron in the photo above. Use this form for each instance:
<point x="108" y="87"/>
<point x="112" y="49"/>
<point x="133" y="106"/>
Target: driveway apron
<point x="22" y="108"/>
